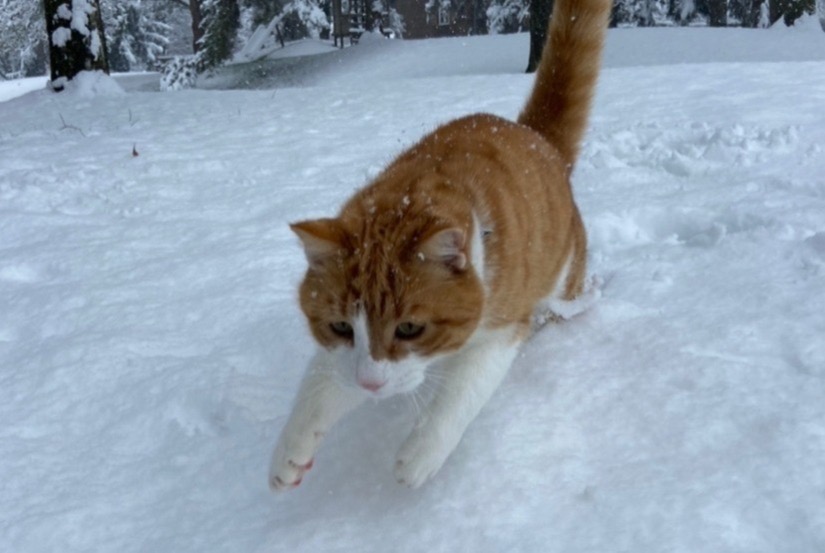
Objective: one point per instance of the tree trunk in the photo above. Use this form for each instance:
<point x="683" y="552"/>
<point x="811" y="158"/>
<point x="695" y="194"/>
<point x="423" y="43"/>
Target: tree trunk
<point x="718" y="13"/>
<point x="197" y="31"/>
<point x="540" y="11"/>
<point x="77" y="41"/>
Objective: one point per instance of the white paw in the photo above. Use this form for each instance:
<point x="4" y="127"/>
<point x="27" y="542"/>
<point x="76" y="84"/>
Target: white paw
<point x="421" y="456"/>
<point x="292" y="458"/>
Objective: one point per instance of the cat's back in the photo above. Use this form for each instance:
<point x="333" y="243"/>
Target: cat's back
<point x="492" y="159"/>
<point x="488" y="174"/>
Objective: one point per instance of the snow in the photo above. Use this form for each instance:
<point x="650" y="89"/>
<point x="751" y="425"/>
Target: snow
<point x="81" y="10"/>
<point x="93" y="84"/>
<point x="61" y="36"/>
<point x="151" y="343"/>
<point x="15" y="88"/>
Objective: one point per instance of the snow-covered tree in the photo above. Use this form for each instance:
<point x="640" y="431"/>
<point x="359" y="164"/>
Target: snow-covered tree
<point x="135" y="36"/>
<point x="23" y="35"/>
<point x="77" y="40"/>
<point x="220" y="23"/>
<point x="642" y="13"/>
<point x="180" y="73"/>
<point x="395" y="21"/>
<point x="303" y="18"/>
<point x="507" y="16"/>
<point x="686" y="9"/>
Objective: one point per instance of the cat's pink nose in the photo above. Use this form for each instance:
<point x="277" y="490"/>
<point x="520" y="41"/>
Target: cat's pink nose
<point x="371" y="385"/>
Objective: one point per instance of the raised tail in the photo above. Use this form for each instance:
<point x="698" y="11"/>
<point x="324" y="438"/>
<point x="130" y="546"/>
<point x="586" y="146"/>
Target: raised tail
<point x="566" y="78"/>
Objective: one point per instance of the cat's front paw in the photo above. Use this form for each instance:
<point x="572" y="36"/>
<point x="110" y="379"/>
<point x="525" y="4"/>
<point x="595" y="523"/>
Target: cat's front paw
<point x="289" y="464"/>
<point x="421" y="456"/>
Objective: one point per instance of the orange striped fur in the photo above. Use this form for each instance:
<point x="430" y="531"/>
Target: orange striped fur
<point x="440" y="263"/>
<point x="512" y="177"/>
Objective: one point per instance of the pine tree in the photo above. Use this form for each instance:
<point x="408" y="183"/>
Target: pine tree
<point x="790" y="10"/>
<point x="220" y="23"/>
<point x="77" y="40"/>
<point x="509" y="16"/>
<point x="136" y="37"/>
<point x="303" y="18"/>
<point x="23" y="35"/>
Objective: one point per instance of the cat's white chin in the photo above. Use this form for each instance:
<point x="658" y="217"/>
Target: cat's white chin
<point x="408" y="385"/>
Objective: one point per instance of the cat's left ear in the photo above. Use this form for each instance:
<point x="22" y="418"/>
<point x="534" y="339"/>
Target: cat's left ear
<point x="448" y="246"/>
<point x="321" y="238"/>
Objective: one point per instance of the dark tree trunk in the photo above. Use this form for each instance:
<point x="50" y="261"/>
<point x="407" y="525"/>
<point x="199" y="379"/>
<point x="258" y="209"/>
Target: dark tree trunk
<point x="197" y="31"/>
<point x="540" y="11"/>
<point x="70" y="50"/>
<point x="718" y="13"/>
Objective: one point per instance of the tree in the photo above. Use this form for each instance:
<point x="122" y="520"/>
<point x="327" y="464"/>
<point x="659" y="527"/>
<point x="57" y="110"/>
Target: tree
<point x="136" y="36"/>
<point x="747" y="12"/>
<point x="510" y="16"/>
<point x="648" y="13"/>
<point x="23" y="33"/>
<point x="790" y="10"/>
<point x="305" y="18"/>
<point x="220" y="22"/>
<point x="540" y="14"/>
<point x="717" y="13"/>
<point x="77" y="41"/>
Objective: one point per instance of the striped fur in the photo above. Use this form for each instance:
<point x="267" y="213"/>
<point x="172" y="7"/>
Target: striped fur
<point x="404" y="252"/>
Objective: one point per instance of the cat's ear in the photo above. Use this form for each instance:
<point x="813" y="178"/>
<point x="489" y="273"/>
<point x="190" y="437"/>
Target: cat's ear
<point x="449" y="246"/>
<point x="321" y="238"/>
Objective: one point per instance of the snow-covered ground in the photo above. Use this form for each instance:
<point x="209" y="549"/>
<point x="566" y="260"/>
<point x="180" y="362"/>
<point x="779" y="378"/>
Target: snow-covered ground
<point x="151" y="344"/>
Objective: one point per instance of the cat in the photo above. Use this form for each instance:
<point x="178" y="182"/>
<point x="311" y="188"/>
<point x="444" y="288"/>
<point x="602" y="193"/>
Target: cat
<point x="442" y="261"/>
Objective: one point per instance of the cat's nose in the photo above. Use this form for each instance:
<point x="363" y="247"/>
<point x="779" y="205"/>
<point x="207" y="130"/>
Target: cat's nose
<point x="371" y="385"/>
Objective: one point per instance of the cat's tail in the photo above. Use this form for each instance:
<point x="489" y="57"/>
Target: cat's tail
<point x="566" y="78"/>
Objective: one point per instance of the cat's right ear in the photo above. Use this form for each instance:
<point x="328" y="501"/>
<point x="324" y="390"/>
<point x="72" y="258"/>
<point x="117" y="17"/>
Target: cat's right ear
<point x="321" y="238"/>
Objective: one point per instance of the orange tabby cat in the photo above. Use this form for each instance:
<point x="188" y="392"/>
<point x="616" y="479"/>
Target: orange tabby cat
<point x="443" y="260"/>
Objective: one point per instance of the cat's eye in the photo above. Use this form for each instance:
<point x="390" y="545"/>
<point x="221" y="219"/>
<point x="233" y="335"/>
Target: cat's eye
<point x="342" y="329"/>
<point x="408" y="331"/>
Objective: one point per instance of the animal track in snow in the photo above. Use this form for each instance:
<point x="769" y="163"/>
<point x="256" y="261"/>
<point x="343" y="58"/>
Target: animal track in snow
<point x="692" y="149"/>
<point x="678" y="226"/>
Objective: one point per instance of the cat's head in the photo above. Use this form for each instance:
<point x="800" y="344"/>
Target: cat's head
<point x="391" y="294"/>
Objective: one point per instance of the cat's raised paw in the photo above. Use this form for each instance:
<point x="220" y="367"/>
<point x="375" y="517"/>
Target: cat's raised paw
<point x="288" y="475"/>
